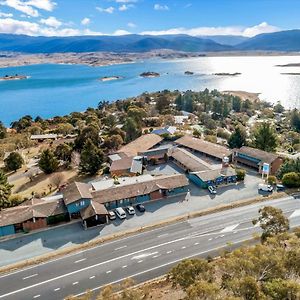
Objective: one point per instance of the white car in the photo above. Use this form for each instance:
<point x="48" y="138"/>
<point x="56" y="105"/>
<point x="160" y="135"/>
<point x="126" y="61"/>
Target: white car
<point x="265" y="187"/>
<point x="130" y="210"/>
<point x="212" y="190"/>
<point x="120" y="213"/>
<point x="111" y="215"/>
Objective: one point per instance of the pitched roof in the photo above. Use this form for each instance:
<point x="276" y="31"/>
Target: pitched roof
<point x="214" y="174"/>
<point x="141" y="144"/>
<point x="93" y="209"/>
<point x="22" y="213"/>
<point x="189" y="160"/>
<point x="204" y="146"/>
<point x="140" y="188"/>
<point x="76" y="191"/>
<point x="266" y="157"/>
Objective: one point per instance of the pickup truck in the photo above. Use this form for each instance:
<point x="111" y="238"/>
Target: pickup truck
<point x="265" y="187"/>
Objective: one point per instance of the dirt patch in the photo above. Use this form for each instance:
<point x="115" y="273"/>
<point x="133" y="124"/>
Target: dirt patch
<point x="253" y="97"/>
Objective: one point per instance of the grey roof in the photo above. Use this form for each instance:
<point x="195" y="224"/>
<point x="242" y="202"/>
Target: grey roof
<point x="210" y="175"/>
<point x="266" y="157"/>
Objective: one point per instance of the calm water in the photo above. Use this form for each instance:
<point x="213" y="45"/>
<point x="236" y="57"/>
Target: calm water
<point x="60" y="89"/>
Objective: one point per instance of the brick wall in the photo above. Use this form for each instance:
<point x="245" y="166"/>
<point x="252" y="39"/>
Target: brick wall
<point x="39" y="223"/>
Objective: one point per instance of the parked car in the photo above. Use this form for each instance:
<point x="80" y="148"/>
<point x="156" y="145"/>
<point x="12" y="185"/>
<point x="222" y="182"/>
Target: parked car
<point x="140" y="208"/>
<point x="111" y="215"/>
<point x="130" y="210"/>
<point x="212" y="190"/>
<point x="265" y="187"/>
<point x="280" y="187"/>
<point x="120" y="213"/>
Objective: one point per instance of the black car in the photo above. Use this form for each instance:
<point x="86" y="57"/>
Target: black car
<point x="140" y="208"/>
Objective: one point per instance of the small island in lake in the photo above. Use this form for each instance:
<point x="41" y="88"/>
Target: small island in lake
<point x="150" y="74"/>
<point x="109" y="78"/>
<point x="290" y="73"/>
<point x="14" y="77"/>
<point x="188" y="73"/>
<point x="227" y="74"/>
<point x="289" y="65"/>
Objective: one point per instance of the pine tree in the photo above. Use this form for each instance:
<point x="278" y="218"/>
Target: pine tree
<point x="5" y="191"/>
<point x="14" y="161"/>
<point x="48" y="162"/>
<point x="91" y="158"/>
<point x="238" y="138"/>
<point x="264" y="137"/>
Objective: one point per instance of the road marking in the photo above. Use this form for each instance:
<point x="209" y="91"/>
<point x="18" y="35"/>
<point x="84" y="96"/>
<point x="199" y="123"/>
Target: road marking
<point x="295" y="214"/>
<point x="162" y="235"/>
<point x="155" y="256"/>
<point x="144" y="255"/>
<point x="74" y="283"/>
<point x="107" y="272"/>
<point x="119" y="248"/>
<point x="229" y="228"/>
<point x="92" y="277"/>
<point x="210" y="239"/>
<point x="168" y="252"/>
<point x="196" y="244"/>
<point x="222" y="235"/>
<point x="160" y="266"/>
<point x="124" y="267"/>
<point x="57" y="289"/>
<point x="30" y="276"/>
<point x="79" y="260"/>
<point x="140" y="261"/>
<point x="183" y="247"/>
<point x="36" y="296"/>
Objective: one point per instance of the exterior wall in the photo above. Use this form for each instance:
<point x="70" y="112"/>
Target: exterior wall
<point x="276" y="164"/>
<point x="177" y="191"/>
<point x="7" y="230"/>
<point x="156" y="195"/>
<point x="197" y="181"/>
<point x="31" y="225"/>
<point x="78" y="205"/>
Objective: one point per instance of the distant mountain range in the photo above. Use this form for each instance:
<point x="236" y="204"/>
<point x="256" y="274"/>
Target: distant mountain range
<point x="278" y="41"/>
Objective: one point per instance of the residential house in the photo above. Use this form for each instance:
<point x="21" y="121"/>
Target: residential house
<point x="127" y="166"/>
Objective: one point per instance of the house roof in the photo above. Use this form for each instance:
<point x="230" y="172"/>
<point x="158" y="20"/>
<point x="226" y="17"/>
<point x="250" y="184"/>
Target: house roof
<point x="165" y="130"/>
<point x="127" y="163"/>
<point x="22" y="213"/>
<point x="188" y="160"/>
<point x="203" y="146"/>
<point x="142" y="143"/>
<point x="266" y="157"/>
<point x="76" y="191"/>
<point x="93" y="209"/>
<point x="119" y="192"/>
<point x="214" y="174"/>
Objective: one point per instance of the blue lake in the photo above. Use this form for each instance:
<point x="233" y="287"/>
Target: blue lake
<point x="60" y="89"/>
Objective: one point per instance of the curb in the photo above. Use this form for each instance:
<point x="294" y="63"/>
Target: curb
<point x="90" y="244"/>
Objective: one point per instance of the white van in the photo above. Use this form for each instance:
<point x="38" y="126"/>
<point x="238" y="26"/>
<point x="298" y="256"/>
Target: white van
<point x="120" y="213"/>
<point x="265" y="187"/>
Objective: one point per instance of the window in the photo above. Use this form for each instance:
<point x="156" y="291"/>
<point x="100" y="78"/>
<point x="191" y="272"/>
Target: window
<point x="82" y="203"/>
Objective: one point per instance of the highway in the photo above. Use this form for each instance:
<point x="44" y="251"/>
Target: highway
<point x="142" y="256"/>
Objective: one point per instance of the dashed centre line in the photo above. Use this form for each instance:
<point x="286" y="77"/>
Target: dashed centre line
<point x="140" y="261"/>
<point x="36" y="296"/>
<point x="79" y="260"/>
<point x="57" y="289"/>
<point x="168" y="252"/>
<point x="124" y="267"/>
<point x="30" y="276"/>
<point x="122" y="247"/>
<point x="74" y="283"/>
<point x="107" y="272"/>
<point x="92" y="277"/>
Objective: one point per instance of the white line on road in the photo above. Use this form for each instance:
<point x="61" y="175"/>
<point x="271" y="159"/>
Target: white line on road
<point x="222" y="235"/>
<point x="168" y="252"/>
<point x="109" y="271"/>
<point x="30" y="276"/>
<point x="92" y="277"/>
<point x="230" y="228"/>
<point x="155" y="256"/>
<point x="295" y="214"/>
<point x="74" y="283"/>
<point x="210" y="239"/>
<point x="162" y="235"/>
<point x="56" y="290"/>
<point x="119" y="248"/>
<point x="196" y="244"/>
<point x="36" y="296"/>
<point x="140" y="261"/>
<point x="124" y="267"/>
<point x="79" y="260"/>
<point x="183" y="247"/>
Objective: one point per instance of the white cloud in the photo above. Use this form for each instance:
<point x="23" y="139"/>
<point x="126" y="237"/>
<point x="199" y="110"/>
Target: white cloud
<point x="52" y="22"/>
<point x="161" y="7"/>
<point x="121" y="32"/>
<point x="108" y="10"/>
<point x="233" y="30"/>
<point x="29" y="7"/>
<point x="131" y="25"/>
<point x="125" y="7"/>
<point x="5" y="15"/>
<point x="126" y="1"/>
<point x="85" y="21"/>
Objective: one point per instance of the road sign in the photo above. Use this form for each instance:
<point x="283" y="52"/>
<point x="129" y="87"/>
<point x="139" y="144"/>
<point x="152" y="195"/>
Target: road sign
<point x="266" y="168"/>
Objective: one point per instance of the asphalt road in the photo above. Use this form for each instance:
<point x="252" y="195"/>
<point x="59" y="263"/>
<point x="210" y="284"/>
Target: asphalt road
<point x="141" y="256"/>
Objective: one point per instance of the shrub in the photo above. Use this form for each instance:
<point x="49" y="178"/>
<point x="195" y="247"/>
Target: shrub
<point x="291" y="179"/>
<point x="240" y="173"/>
<point x="272" y="180"/>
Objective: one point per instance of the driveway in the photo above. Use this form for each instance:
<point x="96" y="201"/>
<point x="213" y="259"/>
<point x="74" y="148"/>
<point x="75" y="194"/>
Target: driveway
<point x="38" y="243"/>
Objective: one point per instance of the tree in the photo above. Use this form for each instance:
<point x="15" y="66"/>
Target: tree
<point x="5" y="191"/>
<point x="2" y="131"/>
<point x="272" y="179"/>
<point x="291" y="179"/>
<point x="264" y="137"/>
<point x="113" y="142"/>
<point x="89" y="132"/>
<point x="278" y="289"/>
<point x="240" y="174"/>
<point x="272" y="221"/>
<point x="14" y="161"/>
<point x="162" y="103"/>
<point x="91" y="158"/>
<point x="132" y="130"/>
<point x="238" y="138"/>
<point x="295" y="119"/>
<point x="64" y="152"/>
<point x="57" y="179"/>
<point x="278" y="108"/>
<point x="203" y="290"/>
<point x="48" y="162"/>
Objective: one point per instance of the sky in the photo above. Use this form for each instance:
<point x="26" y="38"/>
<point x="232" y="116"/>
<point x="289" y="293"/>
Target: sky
<point x="119" y="17"/>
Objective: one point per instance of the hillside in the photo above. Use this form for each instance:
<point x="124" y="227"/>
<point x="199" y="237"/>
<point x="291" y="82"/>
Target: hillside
<point x="278" y="41"/>
<point x="126" y="43"/>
